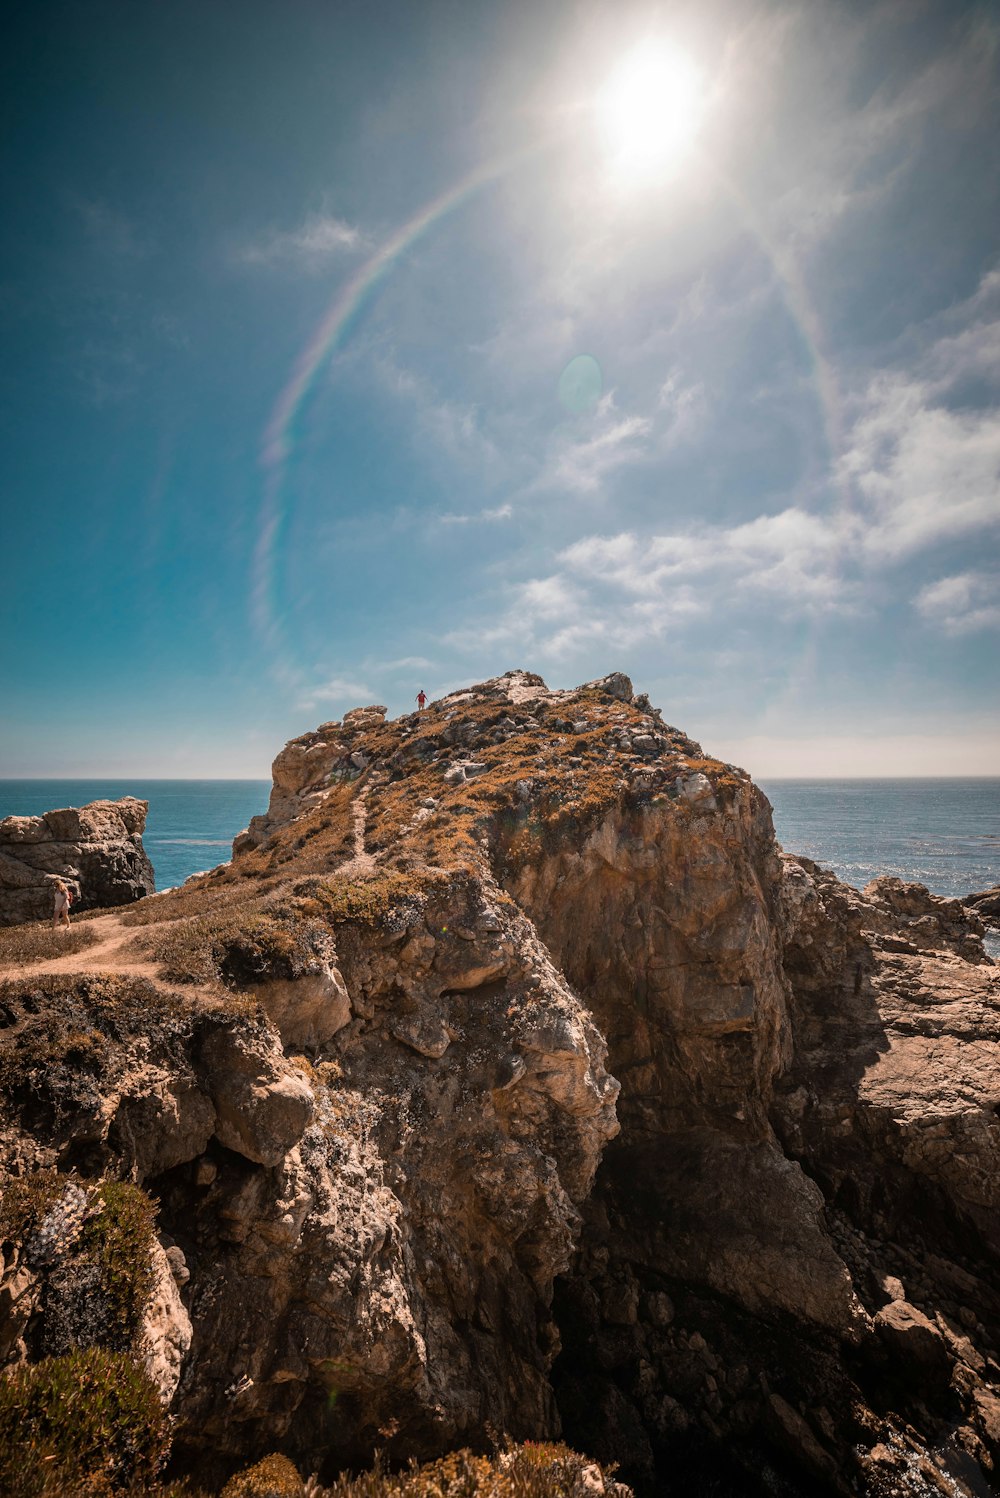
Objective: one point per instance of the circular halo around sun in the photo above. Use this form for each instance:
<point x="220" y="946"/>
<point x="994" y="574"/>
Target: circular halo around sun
<point x="649" y="111"/>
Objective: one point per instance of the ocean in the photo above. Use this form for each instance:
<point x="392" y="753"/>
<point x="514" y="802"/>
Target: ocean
<point x="943" y="833"/>
<point x="190" y="826"/>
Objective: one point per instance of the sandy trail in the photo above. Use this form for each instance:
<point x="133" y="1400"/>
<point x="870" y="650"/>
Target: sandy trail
<point x="360" y="862"/>
<point x="100" y="958"/>
<point x="106" y="955"/>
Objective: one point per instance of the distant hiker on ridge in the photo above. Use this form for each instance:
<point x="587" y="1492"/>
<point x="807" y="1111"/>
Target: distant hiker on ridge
<point x="421" y="700"/>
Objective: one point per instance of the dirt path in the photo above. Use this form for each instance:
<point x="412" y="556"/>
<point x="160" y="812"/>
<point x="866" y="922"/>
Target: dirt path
<point x="360" y="862"/>
<point x="100" y="958"/>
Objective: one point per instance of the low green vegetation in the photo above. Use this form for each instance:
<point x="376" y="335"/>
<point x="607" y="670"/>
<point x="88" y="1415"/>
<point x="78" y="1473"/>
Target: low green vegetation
<point x="88" y="1424"/>
<point x="119" y="1239"/>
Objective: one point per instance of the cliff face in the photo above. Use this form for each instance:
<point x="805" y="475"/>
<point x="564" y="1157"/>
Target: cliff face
<point x="510" y="1077"/>
<point x="97" y="849"/>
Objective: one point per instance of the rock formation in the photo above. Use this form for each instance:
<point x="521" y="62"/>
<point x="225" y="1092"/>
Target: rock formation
<point x="511" y="1077"/>
<point x="986" y="905"/>
<point x="97" y="849"/>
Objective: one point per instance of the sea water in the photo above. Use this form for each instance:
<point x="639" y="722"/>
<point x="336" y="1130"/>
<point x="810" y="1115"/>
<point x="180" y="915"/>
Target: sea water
<point x="942" y="833"/>
<point x="190" y="826"/>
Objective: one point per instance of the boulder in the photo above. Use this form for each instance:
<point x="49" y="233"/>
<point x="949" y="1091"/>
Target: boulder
<point x="912" y="1337"/>
<point x="263" y="1106"/>
<point x="97" y="849"/>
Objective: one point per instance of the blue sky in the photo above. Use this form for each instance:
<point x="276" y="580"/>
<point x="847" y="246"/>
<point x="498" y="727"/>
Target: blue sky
<point x="288" y="294"/>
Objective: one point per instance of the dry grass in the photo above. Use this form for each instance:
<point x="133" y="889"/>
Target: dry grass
<point x="24" y="945"/>
<point x="66" y="1034"/>
<point x="238" y="946"/>
<point x="312" y="843"/>
<point x="544" y="1469"/>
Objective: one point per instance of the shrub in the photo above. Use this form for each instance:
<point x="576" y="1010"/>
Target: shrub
<point x="90" y="1423"/>
<point x="274" y="1477"/>
<point x="25" y="1201"/>
<point x="20" y="946"/>
<point x="533" y="1470"/>
<point x="119" y="1239"/>
<point x="238" y="947"/>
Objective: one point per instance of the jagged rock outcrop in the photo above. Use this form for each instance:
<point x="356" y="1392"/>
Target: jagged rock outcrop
<point x="97" y="849"/>
<point x="986" y="905"/>
<point x="510" y="1076"/>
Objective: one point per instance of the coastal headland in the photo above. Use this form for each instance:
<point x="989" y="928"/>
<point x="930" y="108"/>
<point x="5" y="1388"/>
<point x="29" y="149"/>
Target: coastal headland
<point x="511" y="1080"/>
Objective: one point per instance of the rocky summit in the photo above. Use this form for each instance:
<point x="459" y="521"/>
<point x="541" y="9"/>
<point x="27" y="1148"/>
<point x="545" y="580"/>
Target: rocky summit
<point x="511" y="1079"/>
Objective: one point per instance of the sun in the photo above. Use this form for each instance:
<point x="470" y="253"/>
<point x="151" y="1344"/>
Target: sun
<point x="649" y="112"/>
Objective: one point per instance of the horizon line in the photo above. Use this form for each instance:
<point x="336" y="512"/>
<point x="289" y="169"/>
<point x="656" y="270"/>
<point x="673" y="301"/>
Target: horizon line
<point x="185" y="779"/>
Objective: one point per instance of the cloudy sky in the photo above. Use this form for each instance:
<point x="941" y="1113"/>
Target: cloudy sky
<point x="354" y="348"/>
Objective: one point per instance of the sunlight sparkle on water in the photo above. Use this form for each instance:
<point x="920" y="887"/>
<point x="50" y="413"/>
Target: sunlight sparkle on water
<point x="649" y="112"/>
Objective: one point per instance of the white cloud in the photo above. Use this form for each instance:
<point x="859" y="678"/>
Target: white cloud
<point x="402" y="663"/>
<point x="795" y="555"/>
<point x="501" y="512"/>
<point x="580" y="465"/>
<point x="962" y="603"/>
<point x="318" y="239"/>
<point x="924" y="462"/>
<point x="924" y="470"/>
<point x="685" y="407"/>
<point x="453" y="430"/>
<point x="928" y="473"/>
<point x="336" y="689"/>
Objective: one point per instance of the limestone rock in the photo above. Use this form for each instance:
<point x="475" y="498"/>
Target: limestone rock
<point x="166" y="1329"/>
<point x="616" y="685"/>
<point x="263" y="1106"/>
<point x="307" y="1010"/>
<point x="986" y="905"/>
<point x="97" y="849"/>
<point x="897" y="1050"/>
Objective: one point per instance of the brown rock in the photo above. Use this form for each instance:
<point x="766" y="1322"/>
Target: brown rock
<point x="795" y="1434"/>
<point x="263" y="1106"/>
<point x="166" y="1327"/>
<point x="97" y="849"/>
<point x="912" y="1337"/>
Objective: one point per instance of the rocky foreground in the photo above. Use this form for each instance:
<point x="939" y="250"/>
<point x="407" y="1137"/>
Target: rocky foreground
<point x="511" y="1079"/>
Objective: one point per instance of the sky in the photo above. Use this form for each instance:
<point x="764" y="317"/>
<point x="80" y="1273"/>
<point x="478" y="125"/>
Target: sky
<point x="349" y="349"/>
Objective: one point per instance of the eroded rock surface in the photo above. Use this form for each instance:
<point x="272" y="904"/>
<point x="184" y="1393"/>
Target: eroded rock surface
<point x="510" y="1077"/>
<point x="97" y="849"/>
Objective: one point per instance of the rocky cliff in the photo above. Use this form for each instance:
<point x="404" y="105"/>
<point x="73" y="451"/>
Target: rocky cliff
<point x="511" y="1078"/>
<point x="97" y="849"/>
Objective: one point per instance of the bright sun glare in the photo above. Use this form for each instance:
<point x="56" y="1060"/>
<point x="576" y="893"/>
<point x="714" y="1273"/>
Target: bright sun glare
<point x="649" y="111"/>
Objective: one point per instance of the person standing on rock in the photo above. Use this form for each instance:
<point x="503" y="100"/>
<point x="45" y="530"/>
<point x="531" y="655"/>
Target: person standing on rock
<point x="62" y="898"/>
<point x="421" y="700"/>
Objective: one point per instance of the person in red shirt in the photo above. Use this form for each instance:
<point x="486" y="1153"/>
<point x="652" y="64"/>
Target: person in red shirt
<point x="421" y="700"/>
